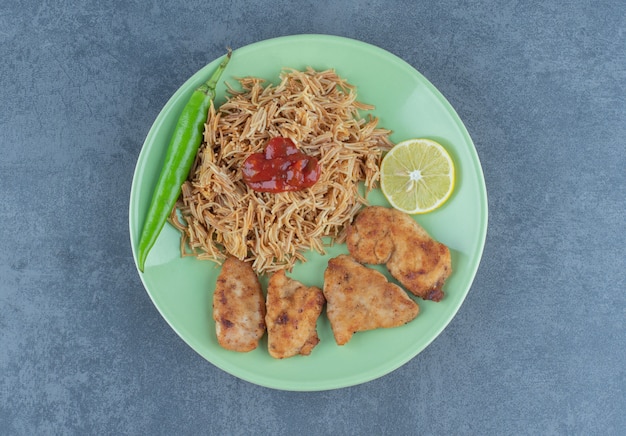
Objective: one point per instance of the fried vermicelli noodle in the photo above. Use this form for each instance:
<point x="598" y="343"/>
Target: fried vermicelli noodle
<point x="220" y="215"/>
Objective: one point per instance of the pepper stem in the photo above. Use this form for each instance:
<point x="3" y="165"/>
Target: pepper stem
<point x="208" y="87"/>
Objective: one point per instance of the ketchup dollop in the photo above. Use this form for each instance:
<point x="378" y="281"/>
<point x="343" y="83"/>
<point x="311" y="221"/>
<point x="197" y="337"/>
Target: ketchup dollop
<point x="282" y="167"/>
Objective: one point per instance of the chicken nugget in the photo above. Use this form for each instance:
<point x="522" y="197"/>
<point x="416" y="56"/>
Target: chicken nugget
<point x="292" y="312"/>
<point x="238" y="307"/>
<point x="360" y="298"/>
<point x="383" y="235"/>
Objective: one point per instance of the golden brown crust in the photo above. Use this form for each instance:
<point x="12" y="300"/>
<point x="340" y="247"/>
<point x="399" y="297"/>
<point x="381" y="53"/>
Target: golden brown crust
<point x="238" y="307"/>
<point x="292" y="312"/>
<point x="383" y="235"/>
<point x="360" y="298"/>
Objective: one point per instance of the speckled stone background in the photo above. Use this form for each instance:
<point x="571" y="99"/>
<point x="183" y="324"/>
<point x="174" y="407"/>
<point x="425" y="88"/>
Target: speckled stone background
<point x="539" y="347"/>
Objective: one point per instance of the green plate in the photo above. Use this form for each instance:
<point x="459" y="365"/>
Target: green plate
<point x="408" y="104"/>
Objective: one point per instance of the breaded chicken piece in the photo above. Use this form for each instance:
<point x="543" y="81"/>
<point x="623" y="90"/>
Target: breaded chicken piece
<point x="292" y="312"/>
<point x="360" y="298"/>
<point x="384" y="235"/>
<point x="238" y="306"/>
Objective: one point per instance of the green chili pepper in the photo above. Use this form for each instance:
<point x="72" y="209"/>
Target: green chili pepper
<point x="179" y="158"/>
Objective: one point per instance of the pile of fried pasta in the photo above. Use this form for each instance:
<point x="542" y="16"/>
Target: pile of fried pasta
<point x="220" y="215"/>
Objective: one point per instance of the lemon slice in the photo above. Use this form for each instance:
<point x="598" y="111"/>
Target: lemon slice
<point x="417" y="176"/>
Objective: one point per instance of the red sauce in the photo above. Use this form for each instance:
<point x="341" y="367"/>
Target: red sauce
<point x="282" y="167"/>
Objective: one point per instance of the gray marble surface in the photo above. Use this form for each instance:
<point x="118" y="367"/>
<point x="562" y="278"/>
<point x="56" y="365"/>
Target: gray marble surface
<point x="538" y="346"/>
